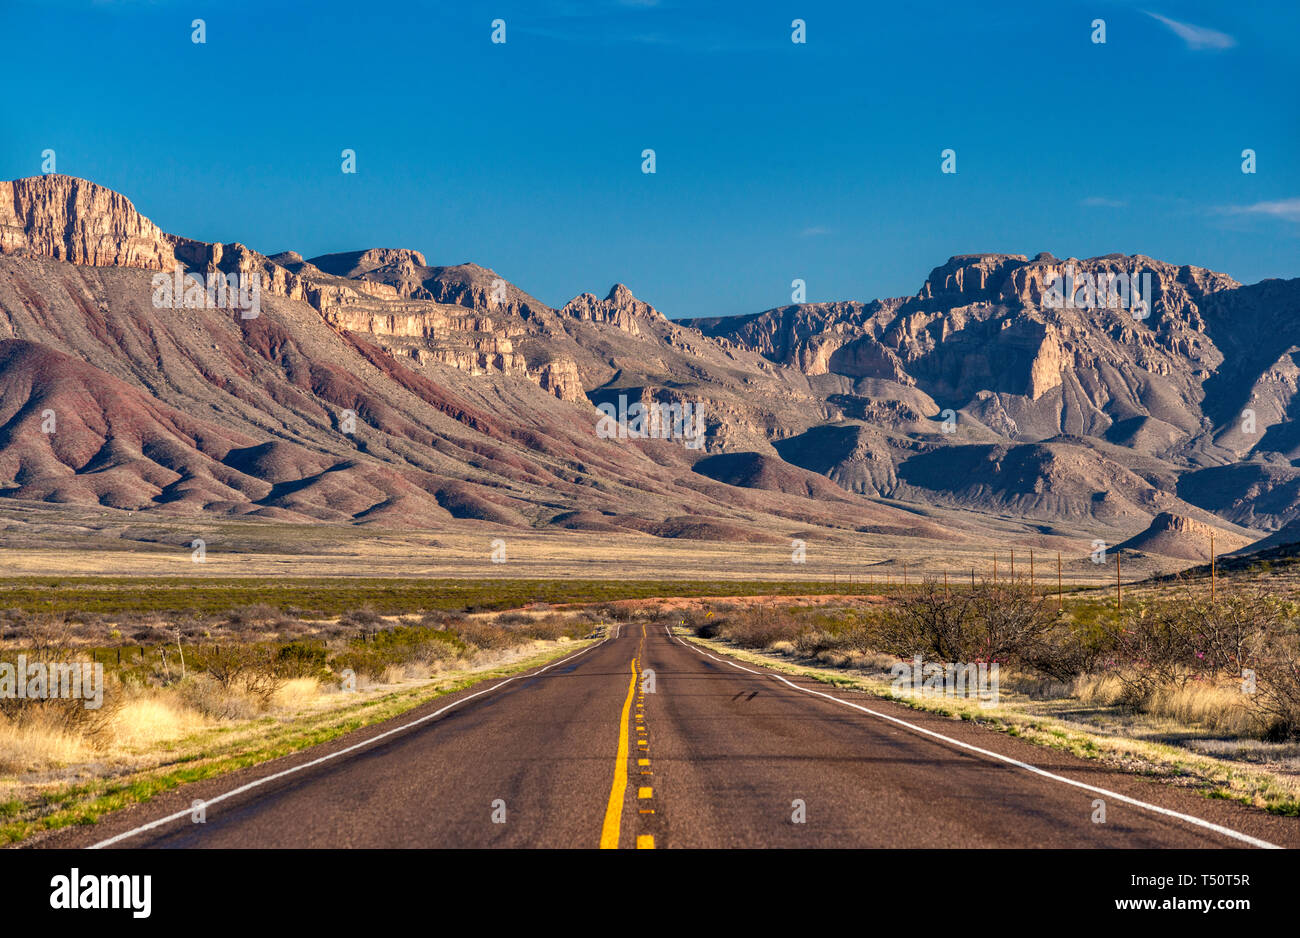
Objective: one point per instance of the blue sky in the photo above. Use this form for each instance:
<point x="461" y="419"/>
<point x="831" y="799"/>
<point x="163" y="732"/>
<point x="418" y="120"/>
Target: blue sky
<point x="775" y="160"/>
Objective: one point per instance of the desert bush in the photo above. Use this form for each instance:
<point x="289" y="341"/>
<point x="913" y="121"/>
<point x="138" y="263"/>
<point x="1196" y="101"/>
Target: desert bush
<point x="760" y="628"/>
<point x="244" y="669"/>
<point x="617" y="612"/>
<point x="703" y="622"/>
<point x="1155" y="648"/>
<point x="51" y="646"/>
<point x="554" y="627"/>
<point x="208" y="696"/>
<point x="151" y="635"/>
<point x="395" y="647"/>
<point x="1277" y="696"/>
<point x="1228" y="633"/>
<point x="827" y="646"/>
<point x="365" y="619"/>
<point x="1186" y="658"/>
<point x="485" y="635"/>
<point x="301" y="659"/>
<point x="992" y="622"/>
<point x="254" y="617"/>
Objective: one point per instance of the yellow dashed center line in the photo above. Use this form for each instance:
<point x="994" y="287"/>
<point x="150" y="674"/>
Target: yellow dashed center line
<point x="614" y="810"/>
<point x="610" y="830"/>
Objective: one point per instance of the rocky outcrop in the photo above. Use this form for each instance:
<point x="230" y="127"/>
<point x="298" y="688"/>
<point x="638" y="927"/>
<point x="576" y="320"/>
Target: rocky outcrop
<point x="561" y="378"/>
<point x="970" y="278"/>
<point x="354" y="264"/>
<point x="1013" y="279"/>
<point x="77" y="221"/>
<point x="1174" y="535"/>
<point x="1045" y="370"/>
<point x="986" y="335"/>
<point x="619" y="308"/>
<point x="407" y="276"/>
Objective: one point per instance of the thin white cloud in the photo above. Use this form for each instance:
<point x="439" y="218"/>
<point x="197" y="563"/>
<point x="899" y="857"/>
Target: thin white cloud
<point x="1196" y="37"/>
<point x="1288" y="209"/>
<point x="814" y="231"/>
<point x="1097" y="201"/>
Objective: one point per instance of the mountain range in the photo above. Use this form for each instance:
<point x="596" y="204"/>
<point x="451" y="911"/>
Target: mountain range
<point x="372" y="388"/>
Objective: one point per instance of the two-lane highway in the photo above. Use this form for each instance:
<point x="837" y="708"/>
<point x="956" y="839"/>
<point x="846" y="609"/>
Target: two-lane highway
<point x="646" y="740"/>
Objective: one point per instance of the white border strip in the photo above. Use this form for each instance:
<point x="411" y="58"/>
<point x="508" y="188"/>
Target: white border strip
<point x="333" y="755"/>
<point x="1190" y="819"/>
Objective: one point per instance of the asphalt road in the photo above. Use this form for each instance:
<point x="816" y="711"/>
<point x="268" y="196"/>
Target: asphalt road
<point x="585" y="753"/>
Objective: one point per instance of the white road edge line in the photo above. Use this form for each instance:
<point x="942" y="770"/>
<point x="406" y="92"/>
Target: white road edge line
<point x="333" y="755"/>
<point x="1190" y="819"/>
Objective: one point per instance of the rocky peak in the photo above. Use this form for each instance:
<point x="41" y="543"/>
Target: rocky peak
<point x="619" y="308"/>
<point x="620" y="295"/>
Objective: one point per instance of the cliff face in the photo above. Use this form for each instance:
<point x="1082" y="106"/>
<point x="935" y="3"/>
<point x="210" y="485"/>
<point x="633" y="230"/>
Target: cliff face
<point x="77" y="221"/>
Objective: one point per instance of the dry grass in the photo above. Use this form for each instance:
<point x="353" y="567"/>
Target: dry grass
<point x="145" y="719"/>
<point x="233" y="680"/>
<point x="296" y="694"/>
<point x="1216" y="706"/>
<point x="151" y="718"/>
<point x="38" y="744"/>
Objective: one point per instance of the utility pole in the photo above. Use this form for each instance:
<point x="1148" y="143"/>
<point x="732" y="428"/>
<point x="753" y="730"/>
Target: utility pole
<point x="1013" y="568"/>
<point x="1059" y="589"/>
<point x="1031" y="571"/>
<point x="1119" y="590"/>
<point x="1213" y="578"/>
<point x="945" y="584"/>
